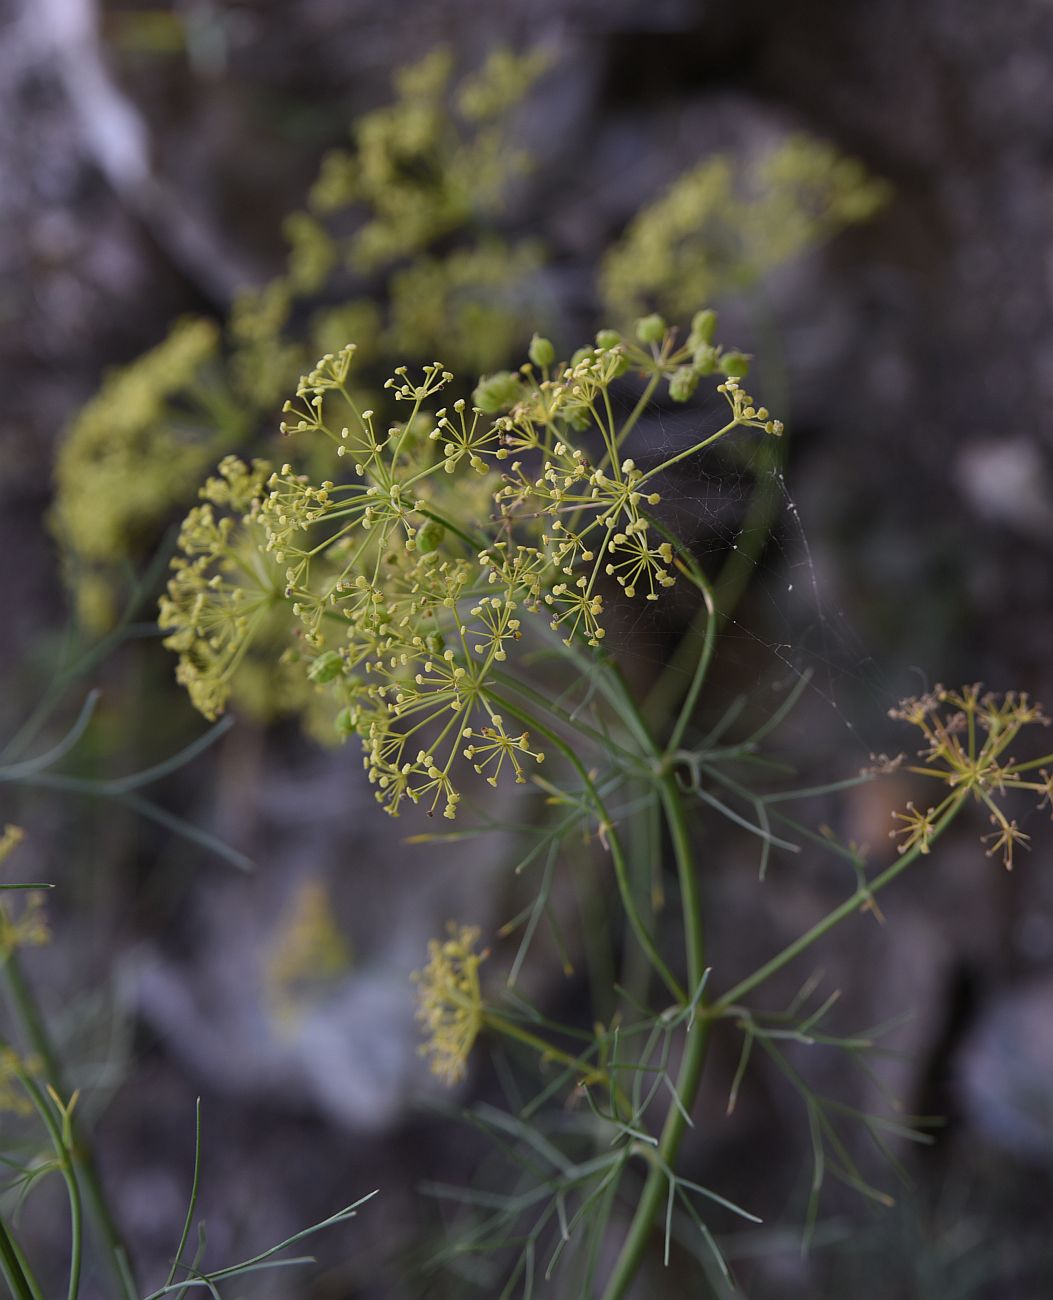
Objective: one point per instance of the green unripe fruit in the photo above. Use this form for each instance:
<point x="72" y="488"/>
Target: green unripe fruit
<point x="326" y="668"/>
<point x="436" y="642"/>
<point x="735" y="364"/>
<point x="345" y="722"/>
<point x="683" y="383"/>
<point x="705" y="359"/>
<point x="429" y="536"/>
<point x="541" y="352"/>
<point x="650" y="329"/>
<point x="497" y="392"/>
<point x="703" y="328"/>
<point x="607" y="339"/>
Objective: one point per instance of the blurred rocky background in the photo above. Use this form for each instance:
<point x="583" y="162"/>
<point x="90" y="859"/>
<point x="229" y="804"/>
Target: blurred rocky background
<point x="148" y="154"/>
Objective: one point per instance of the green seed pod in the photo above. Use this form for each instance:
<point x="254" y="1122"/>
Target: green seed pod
<point x="498" y="392"/>
<point x="607" y="339"/>
<point x="429" y="536"/>
<point x="703" y="328"/>
<point x="735" y="364"/>
<point x="326" y="668"/>
<point x="541" y="352"/>
<point x="683" y="383"/>
<point x="436" y="642"/>
<point x="705" y="358"/>
<point x="650" y="329"/>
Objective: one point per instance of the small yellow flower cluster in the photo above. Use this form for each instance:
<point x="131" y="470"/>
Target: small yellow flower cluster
<point x="470" y="299"/>
<point x="721" y="227"/>
<point x="309" y="952"/>
<point x="14" y="1100"/>
<point x="488" y="750"/>
<point x="424" y="170"/>
<point x="26" y="929"/>
<point x="27" y="926"/>
<point x="133" y="452"/>
<point x="10" y="840"/>
<point x="450" y="1001"/>
<point x="967" y="738"/>
<point x="415" y="168"/>
<point x="409" y="582"/>
<point x="223" y="591"/>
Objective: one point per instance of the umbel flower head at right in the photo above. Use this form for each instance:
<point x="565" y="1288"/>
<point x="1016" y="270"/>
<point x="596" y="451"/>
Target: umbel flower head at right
<point x="968" y="735"/>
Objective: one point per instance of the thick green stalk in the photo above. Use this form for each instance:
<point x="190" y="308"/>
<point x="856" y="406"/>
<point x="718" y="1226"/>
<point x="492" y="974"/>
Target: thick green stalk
<point x="656" y="1185"/>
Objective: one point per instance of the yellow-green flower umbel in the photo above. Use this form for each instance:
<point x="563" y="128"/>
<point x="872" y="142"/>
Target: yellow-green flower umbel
<point x="450" y="1001"/>
<point x="458" y="531"/>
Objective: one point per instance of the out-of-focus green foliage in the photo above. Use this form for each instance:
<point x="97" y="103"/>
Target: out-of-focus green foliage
<point x="420" y="168"/>
<point x="141" y="444"/>
<point x="431" y="166"/>
<point x="308" y="954"/>
<point x="719" y="228"/>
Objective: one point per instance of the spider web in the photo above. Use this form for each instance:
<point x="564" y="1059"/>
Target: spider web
<point x="788" y="626"/>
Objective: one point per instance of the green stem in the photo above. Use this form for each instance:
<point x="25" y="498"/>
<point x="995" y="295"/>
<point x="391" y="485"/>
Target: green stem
<point x="11" y="1267"/>
<point x="863" y="895"/>
<point x="476" y="543"/>
<point x="632" y="418"/>
<point x="612" y="839"/>
<point x="721" y="598"/>
<point x="62" y="1142"/>
<point x="28" y="1016"/>
<point x="690" y="1075"/>
<point x="510" y="1029"/>
<point x="689" y="451"/>
<point x="705" y="658"/>
<point x="548" y="1051"/>
<point x="639" y="408"/>
<point x="656" y="1185"/>
<point x="600" y="738"/>
<point x="687" y="877"/>
<point x="1014" y="768"/>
